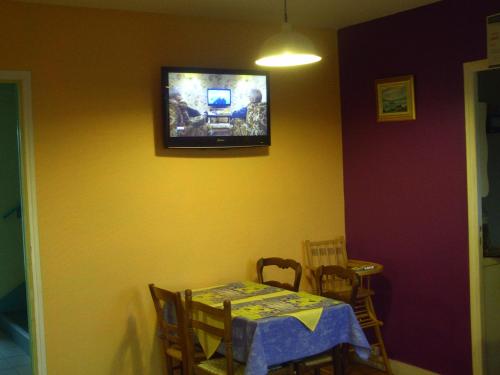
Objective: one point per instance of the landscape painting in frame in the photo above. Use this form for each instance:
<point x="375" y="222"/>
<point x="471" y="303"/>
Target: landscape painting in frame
<point x="395" y="99"/>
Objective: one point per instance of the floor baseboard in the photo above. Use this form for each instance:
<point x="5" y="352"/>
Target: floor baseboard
<point x="401" y="368"/>
<point x="16" y="330"/>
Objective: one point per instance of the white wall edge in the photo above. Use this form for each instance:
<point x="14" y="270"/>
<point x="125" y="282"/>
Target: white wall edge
<point x="28" y="183"/>
<point x="401" y="368"/>
<point x="475" y="272"/>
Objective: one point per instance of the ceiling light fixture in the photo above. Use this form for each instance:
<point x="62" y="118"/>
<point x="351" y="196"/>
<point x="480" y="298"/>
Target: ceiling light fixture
<point x="288" y="48"/>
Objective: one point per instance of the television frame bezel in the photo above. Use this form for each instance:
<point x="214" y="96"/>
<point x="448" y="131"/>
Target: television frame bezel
<point x="212" y="141"/>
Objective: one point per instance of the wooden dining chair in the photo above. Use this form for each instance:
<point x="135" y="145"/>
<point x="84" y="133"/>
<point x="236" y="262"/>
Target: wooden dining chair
<point x="333" y="252"/>
<point x="324" y="253"/>
<point x="172" y="333"/>
<point x="283" y="264"/>
<point x="348" y="295"/>
<point x="217" y="323"/>
<point x="337" y="357"/>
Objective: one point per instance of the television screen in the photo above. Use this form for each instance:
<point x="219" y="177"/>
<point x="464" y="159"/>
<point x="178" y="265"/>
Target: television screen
<point x="219" y="97"/>
<point x="215" y="108"/>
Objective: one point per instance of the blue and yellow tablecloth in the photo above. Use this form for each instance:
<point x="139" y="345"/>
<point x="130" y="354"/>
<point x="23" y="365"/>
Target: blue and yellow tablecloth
<point x="273" y="326"/>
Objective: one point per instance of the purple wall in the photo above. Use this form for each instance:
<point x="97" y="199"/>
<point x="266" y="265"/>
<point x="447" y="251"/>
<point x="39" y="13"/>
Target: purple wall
<point x="405" y="182"/>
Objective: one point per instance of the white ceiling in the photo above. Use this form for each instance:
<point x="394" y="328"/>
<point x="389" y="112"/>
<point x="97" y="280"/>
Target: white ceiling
<point x="333" y="14"/>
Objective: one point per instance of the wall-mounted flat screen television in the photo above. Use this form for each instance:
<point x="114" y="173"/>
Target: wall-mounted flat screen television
<point x="212" y="108"/>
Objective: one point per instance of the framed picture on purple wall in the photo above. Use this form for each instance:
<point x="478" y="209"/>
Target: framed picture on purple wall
<point x="395" y="99"/>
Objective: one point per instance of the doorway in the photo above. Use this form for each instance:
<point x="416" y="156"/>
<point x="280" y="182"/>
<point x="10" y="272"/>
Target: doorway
<point x="15" y="352"/>
<point x="482" y="110"/>
<point x="20" y="286"/>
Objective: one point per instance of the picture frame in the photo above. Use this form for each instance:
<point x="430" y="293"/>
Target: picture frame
<point x="395" y="98"/>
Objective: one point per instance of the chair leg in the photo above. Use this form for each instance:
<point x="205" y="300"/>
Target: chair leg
<point x="338" y="360"/>
<point x="365" y="312"/>
<point x="170" y="365"/>
<point x="380" y="341"/>
<point x="345" y="357"/>
<point x="378" y="334"/>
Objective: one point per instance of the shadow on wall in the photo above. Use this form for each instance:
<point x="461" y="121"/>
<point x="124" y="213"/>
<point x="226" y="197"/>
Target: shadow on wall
<point x="129" y="357"/>
<point x="251" y="270"/>
<point x="130" y="348"/>
<point x="383" y="297"/>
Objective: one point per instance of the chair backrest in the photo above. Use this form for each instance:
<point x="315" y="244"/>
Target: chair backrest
<point x="324" y="274"/>
<point x="281" y="263"/>
<point x="200" y="316"/>
<point x="171" y="329"/>
<point x="326" y="253"/>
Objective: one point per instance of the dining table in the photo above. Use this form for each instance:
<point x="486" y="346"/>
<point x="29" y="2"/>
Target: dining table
<point x="273" y="326"/>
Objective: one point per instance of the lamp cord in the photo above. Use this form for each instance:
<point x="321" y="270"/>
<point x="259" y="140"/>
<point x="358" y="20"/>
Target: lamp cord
<point x="286" y="12"/>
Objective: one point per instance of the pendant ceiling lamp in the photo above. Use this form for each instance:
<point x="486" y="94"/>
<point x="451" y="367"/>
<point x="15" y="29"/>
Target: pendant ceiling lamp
<point x="288" y="48"/>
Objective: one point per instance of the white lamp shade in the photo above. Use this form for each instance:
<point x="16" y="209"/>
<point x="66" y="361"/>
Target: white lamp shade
<point x="288" y="48"/>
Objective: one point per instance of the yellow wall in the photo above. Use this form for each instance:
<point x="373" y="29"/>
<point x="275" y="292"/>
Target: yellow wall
<point x="117" y="211"/>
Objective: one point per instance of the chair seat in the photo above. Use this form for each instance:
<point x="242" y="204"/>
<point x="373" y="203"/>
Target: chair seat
<point x="218" y="366"/>
<point x="320" y="361"/>
<point x="364" y="292"/>
<point x="174" y="353"/>
<point x="344" y="294"/>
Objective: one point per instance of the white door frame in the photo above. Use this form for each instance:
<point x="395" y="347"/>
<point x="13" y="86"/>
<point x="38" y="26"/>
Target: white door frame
<point x="30" y="218"/>
<point x="475" y="251"/>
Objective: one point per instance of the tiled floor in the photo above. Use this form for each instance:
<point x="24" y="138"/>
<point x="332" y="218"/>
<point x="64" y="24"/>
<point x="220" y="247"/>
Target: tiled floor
<point x="354" y="369"/>
<point x="363" y="370"/>
<point x="13" y="360"/>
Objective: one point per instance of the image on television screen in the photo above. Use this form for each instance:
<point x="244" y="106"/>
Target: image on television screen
<point x="219" y="97"/>
<point x="206" y="104"/>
